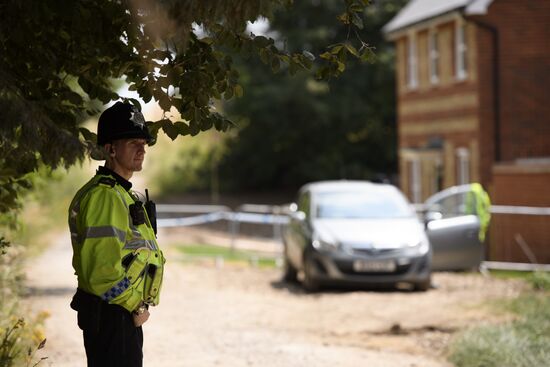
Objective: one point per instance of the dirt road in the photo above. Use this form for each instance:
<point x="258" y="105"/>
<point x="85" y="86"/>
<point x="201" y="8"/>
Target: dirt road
<point x="232" y="316"/>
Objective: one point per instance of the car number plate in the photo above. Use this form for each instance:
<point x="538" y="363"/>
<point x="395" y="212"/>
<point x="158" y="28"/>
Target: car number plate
<point x="374" y="265"/>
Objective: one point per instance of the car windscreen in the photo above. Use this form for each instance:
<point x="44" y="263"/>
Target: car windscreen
<point x="361" y="204"/>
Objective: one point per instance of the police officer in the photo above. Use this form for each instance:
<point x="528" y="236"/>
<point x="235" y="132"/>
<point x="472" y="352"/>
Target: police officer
<point x="116" y="257"/>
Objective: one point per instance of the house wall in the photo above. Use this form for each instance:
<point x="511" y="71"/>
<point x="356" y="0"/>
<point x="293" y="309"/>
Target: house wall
<point x="526" y="185"/>
<point x="500" y="112"/>
<point x="523" y="78"/>
<point x="521" y="127"/>
<point x="446" y="112"/>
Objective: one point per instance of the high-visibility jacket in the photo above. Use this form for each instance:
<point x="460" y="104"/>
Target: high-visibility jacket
<point x="115" y="257"/>
<point x="479" y="203"/>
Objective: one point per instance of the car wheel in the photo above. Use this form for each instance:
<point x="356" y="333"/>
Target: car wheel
<point x="309" y="283"/>
<point x="290" y="273"/>
<point x="423" y="286"/>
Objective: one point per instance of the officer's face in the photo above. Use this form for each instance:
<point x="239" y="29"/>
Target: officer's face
<point x="127" y="156"/>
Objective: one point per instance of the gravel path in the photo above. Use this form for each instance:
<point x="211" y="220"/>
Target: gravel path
<point x="238" y="315"/>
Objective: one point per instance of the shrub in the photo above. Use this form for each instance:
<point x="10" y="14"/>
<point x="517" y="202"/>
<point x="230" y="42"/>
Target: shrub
<point x="19" y="340"/>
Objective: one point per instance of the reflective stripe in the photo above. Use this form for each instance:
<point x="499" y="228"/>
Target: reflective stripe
<point x="140" y="243"/>
<point x="105" y="231"/>
<point x="116" y="290"/>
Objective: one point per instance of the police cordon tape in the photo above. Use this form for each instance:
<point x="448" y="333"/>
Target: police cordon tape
<point x="217" y="216"/>
<point x="216" y="213"/>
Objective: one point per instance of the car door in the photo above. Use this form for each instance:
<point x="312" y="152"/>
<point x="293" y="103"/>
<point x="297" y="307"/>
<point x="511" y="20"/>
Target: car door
<point x="453" y="229"/>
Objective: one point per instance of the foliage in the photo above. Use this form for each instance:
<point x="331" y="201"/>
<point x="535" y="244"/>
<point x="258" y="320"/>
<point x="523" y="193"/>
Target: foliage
<point x="19" y="340"/>
<point x="3" y="245"/>
<point x="21" y="332"/>
<point x="193" y="161"/>
<point x="295" y="130"/>
<point x="11" y="347"/>
<point x="58" y="61"/>
<point x="540" y="280"/>
<point x="521" y="343"/>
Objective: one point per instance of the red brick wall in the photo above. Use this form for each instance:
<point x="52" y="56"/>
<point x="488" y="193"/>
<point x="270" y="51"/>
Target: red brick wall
<point x="486" y="104"/>
<point x="527" y="186"/>
<point x="524" y="77"/>
<point x="524" y="122"/>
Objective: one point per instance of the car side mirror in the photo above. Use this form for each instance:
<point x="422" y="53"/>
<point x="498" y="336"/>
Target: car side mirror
<point x="431" y="215"/>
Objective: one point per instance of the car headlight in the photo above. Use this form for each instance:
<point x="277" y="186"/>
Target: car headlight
<point x="422" y="246"/>
<point x="325" y="245"/>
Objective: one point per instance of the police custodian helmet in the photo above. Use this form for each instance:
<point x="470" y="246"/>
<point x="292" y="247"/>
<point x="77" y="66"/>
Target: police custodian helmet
<point x="121" y="121"/>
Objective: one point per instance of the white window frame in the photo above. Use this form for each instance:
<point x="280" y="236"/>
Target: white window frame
<point x="433" y="56"/>
<point x="415" y="180"/>
<point x="412" y="62"/>
<point x="461" y="51"/>
<point x="463" y="166"/>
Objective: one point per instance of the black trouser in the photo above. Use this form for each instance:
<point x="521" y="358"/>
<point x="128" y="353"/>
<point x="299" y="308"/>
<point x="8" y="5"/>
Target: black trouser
<point x="110" y="337"/>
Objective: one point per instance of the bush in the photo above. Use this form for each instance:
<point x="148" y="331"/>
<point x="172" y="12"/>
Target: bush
<point x="19" y="340"/>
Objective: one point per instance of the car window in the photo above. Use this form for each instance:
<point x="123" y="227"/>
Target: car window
<point x="361" y="204"/>
<point x="455" y="205"/>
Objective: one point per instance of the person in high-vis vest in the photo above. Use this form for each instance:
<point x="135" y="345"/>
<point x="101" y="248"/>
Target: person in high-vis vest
<point x="116" y="258"/>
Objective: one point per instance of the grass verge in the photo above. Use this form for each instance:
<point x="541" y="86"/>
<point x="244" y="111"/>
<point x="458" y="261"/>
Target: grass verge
<point x="523" y="342"/>
<point x="194" y="252"/>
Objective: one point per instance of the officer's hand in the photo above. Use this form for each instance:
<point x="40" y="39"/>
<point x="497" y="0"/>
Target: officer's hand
<point x="139" y="319"/>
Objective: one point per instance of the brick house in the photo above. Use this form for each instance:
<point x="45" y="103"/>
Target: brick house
<point x="473" y="105"/>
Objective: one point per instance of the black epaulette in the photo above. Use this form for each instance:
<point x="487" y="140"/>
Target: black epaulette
<point x="107" y="181"/>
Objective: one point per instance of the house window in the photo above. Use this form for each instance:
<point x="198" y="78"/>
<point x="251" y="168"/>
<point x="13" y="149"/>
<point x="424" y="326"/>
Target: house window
<point x="462" y="166"/>
<point x="461" y="49"/>
<point x="434" y="57"/>
<point x="437" y="177"/>
<point x="415" y="185"/>
<point x="412" y="63"/>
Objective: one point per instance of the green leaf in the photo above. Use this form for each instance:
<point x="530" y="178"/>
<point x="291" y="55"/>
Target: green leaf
<point x="264" y="56"/>
<point x="352" y="50"/>
<point x="357" y="21"/>
<point x="202" y="99"/>
<point x="170" y="129"/>
<point x="326" y="55"/>
<point x="344" y="18"/>
<point x="87" y="134"/>
<point x="293" y="67"/>
<point x="261" y="41"/>
<point x="74" y="98"/>
<point x="368" y="55"/>
<point x="306" y="62"/>
<point x="239" y="90"/>
<point x="228" y="94"/>
<point x="336" y="48"/>
<point x="207" y="40"/>
<point x="355" y="7"/>
<point x="182" y="127"/>
<point x="275" y="64"/>
<point x="164" y="101"/>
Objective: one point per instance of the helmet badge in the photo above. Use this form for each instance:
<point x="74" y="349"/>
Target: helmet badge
<point x="137" y="118"/>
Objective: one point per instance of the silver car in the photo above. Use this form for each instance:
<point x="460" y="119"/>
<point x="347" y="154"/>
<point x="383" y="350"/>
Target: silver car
<point x="355" y="232"/>
<point x="453" y="229"/>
